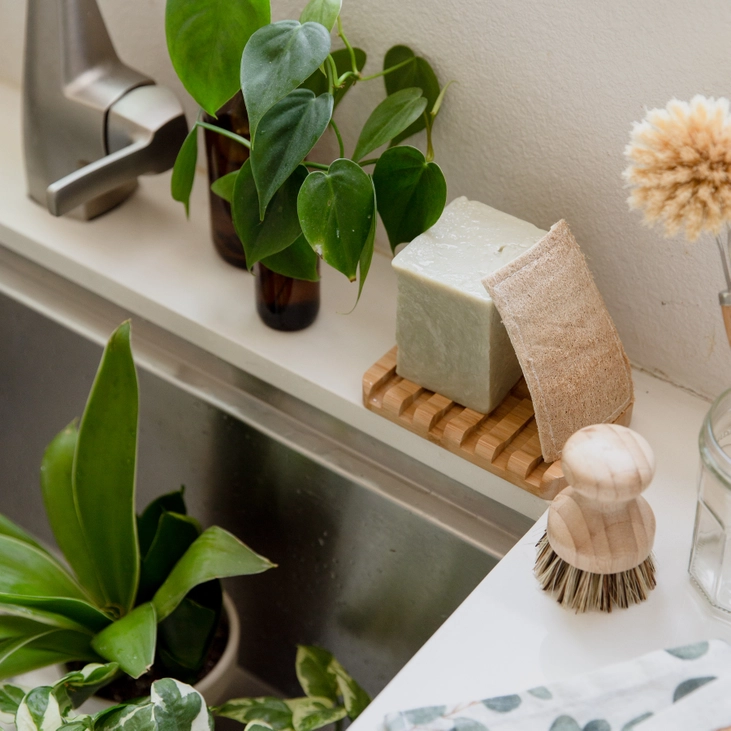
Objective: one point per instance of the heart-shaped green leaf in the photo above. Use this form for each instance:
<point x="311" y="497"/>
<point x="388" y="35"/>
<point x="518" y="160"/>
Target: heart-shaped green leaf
<point x="336" y="210"/>
<point x="324" y="12"/>
<point x="181" y="184"/>
<point x="391" y="117"/>
<point x="317" y="82"/>
<point x="366" y="256"/>
<point x="287" y="132"/>
<point x="416" y="74"/>
<point x="298" y="261"/>
<point x="276" y="60"/>
<point x="224" y="186"/>
<point x="280" y="226"/>
<point x="130" y="641"/>
<point x="206" y="39"/>
<point x="411" y="193"/>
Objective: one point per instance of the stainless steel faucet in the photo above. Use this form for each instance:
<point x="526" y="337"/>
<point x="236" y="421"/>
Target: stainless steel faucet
<point x="91" y="125"/>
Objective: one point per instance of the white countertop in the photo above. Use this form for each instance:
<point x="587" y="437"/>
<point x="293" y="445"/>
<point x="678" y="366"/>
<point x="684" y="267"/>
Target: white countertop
<point x="507" y="635"/>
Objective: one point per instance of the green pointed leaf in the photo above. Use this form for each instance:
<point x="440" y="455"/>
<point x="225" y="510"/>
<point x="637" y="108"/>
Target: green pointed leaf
<point x="391" y="117"/>
<point x="181" y="183"/>
<point x="355" y="699"/>
<point x="269" y="710"/>
<point x="178" y="707"/>
<point x="206" y="39"/>
<point x="10" y="698"/>
<point x="416" y="74"/>
<point x="276" y="60"/>
<point x="8" y="528"/>
<point x="81" y="685"/>
<point x="130" y="641"/>
<point x="58" y="498"/>
<point x="317" y="81"/>
<point x="298" y="261"/>
<point x="287" y="133"/>
<point x="147" y="523"/>
<point x="411" y="193"/>
<point x="324" y="12"/>
<point x="312" y="667"/>
<point x="280" y="226"/>
<point x="317" y="718"/>
<point x="175" y="534"/>
<point x="366" y="256"/>
<point x="104" y="474"/>
<point x="53" y="610"/>
<point x="39" y="711"/>
<point x="216" y="554"/>
<point x="336" y="211"/>
<point x="224" y="186"/>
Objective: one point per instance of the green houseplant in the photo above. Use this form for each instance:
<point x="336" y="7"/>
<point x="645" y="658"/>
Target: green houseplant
<point x="288" y="210"/>
<point x="141" y="589"/>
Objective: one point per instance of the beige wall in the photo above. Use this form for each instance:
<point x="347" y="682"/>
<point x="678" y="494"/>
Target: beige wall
<point x="536" y="127"/>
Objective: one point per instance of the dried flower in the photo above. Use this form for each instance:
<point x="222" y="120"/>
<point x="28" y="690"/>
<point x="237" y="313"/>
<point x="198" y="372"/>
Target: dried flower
<point x="680" y="166"/>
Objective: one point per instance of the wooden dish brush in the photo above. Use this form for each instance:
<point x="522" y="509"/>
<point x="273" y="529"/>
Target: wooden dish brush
<point x="596" y="552"/>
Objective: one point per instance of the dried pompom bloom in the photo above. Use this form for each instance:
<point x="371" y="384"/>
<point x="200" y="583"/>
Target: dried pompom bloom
<point x="680" y="166"/>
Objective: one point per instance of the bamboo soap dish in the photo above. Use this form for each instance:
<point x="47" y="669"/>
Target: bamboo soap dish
<point x="504" y="442"/>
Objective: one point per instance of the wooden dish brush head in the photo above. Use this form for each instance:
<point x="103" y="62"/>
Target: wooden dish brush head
<point x="596" y="552"/>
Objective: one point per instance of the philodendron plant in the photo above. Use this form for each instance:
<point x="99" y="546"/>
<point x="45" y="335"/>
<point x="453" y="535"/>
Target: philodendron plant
<point x="287" y="209"/>
<point x="141" y="589"/>
<point x="331" y="695"/>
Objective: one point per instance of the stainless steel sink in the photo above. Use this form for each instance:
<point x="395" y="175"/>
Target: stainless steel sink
<point x="374" y="549"/>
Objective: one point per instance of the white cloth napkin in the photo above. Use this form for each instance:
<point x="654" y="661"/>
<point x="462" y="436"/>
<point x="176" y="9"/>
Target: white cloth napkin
<point x="683" y="689"/>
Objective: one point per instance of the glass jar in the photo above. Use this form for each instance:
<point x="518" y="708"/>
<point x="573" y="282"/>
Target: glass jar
<point x="224" y="156"/>
<point x="284" y="303"/>
<point x="710" y="558"/>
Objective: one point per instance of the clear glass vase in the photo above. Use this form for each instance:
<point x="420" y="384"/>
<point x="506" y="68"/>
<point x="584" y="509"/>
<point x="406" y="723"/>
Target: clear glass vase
<point x="710" y="558"/>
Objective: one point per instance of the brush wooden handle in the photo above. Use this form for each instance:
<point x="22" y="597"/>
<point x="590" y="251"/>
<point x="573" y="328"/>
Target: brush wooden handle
<point x="599" y="523"/>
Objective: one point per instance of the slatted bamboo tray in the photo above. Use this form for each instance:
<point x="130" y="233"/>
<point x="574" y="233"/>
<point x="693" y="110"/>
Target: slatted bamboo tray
<point x="504" y="442"/>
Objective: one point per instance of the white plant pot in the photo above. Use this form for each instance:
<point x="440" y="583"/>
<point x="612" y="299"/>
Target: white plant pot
<point x="214" y="687"/>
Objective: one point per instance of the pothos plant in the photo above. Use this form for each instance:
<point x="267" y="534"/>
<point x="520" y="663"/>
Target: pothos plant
<point x="287" y="209"/>
<point x="330" y="696"/>
<point x="141" y="589"/>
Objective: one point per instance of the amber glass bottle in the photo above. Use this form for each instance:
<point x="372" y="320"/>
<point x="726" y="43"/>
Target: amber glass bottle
<point x="225" y="156"/>
<point x="284" y="303"/>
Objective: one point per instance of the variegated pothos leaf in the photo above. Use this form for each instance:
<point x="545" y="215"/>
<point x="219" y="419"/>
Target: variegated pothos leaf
<point x="179" y="707"/>
<point x="39" y="711"/>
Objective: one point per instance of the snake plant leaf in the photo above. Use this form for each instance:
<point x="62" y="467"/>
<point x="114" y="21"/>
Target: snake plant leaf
<point x="206" y="39"/>
<point x="215" y="554"/>
<point x="8" y="528"/>
<point x="317" y="82"/>
<point x="314" y="715"/>
<point x="298" y="261"/>
<point x="287" y="133"/>
<point x="130" y="641"/>
<point x="411" y="193"/>
<point x="181" y="183"/>
<point x="30" y="571"/>
<point x="17" y="632"/>
<point x="324" y="12"/>
<point x="10" y="698"/>
<point x="418" y="73"/>
<point x="391" y="117"/>
<point x="267" y="709"/>
<point x="355" y="699"/>
<point x="104" y="474"/>
<point x="280" y="226"/>
<point x="312" y="667"/>
<point x="58" y="498"/>
<point x="336" y="210"/>
<point x="224" y="186"/>
<point x="276" y="60"/>
<point x="39" y="711"/>
<point x="178" y="707"/>
<point x="148" y="521"/>
<point x="80" y="685"/>
<point x="53" y="610"/>
<point x="175" y="534"/>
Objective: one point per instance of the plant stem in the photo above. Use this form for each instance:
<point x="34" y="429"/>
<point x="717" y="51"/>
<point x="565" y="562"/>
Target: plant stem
<point x="372" y="161"/>
<point x="387" y="71"/>
<point x="225" y="133"/>
<point x="332" y="74"/>
<point x="345" y="77"/>
<point x="724" y="259"/>
<point x="315" y="165"/>
<point x="340" y="139"/>
<point x="348" y="46"/>
<point x="429" y="145"/>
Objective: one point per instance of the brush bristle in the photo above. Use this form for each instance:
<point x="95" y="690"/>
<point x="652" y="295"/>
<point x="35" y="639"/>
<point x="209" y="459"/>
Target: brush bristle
<point x="583" y="591"/>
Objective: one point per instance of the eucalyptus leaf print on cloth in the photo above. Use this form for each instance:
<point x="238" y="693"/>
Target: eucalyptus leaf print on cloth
<point x="623" y="697"/>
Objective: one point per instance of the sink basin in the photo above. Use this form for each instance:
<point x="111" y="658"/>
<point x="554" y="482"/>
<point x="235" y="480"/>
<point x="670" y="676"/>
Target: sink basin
<point x="374" y="549"/>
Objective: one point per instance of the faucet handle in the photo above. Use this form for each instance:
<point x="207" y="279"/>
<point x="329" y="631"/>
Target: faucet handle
<point x="145" y="130"/>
